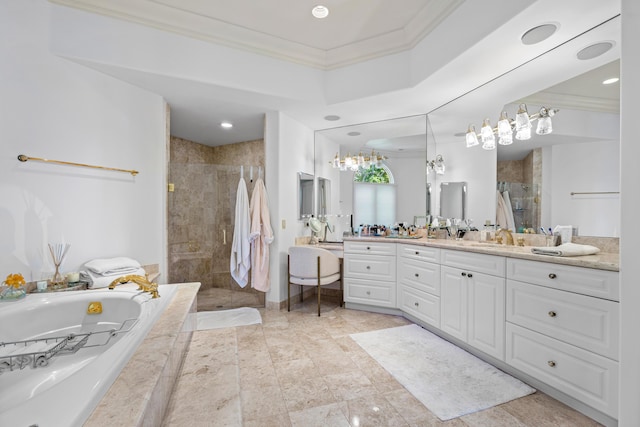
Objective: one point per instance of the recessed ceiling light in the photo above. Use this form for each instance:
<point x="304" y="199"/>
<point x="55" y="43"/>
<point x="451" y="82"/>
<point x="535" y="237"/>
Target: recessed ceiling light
<point x="320" y="11"/>
<point x="594" y="50"/>
<point x="332" y="118"/>
<point x="538" y="34"/>
<point x="226" y="125"/>
<point x="610" y="81"/>
<point x="353" y="133"/>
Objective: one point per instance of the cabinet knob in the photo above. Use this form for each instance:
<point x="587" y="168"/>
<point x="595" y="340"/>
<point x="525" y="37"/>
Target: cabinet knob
<point x="368" y="248"/>
<point x="416" y="304"/>
<point x="368" y="292"/>
<point x="464" y="274"/>
<point x="552" y="275"/>
<point x="417" y="253"/>
<point x="552" y="314"/>
<point x="368" y="267"/>
<point x="469" y="275"/>
<point x="417" y="275"/>
<point x="551" y="363"/>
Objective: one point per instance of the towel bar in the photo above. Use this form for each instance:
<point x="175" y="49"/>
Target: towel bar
<point x="24" y="158"/>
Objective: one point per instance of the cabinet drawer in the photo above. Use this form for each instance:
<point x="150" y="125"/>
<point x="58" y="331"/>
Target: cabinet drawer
<point x="375" y="267"/>
<point x="419" y="304"/>
<point x="370" y="292"/>
<point x="373" y="248"/>
<point x="419" y="253"/>
<point x="587" y="281"/>
<point x="587" y="322"/>
<point x="488" y="264"/>
<point x="588" y="377"/>
<point x="421" y="275"/>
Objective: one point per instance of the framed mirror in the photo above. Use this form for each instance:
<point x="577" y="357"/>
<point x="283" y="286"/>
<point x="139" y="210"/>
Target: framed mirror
<point x="305" y="195"/>
<point x="323" y="197"/>
<point x="453" y="199"/>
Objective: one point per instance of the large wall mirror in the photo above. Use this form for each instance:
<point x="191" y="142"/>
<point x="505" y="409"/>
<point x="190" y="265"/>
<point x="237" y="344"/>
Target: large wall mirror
<point x="403" y="144"/>
<point x="568" y="177"/>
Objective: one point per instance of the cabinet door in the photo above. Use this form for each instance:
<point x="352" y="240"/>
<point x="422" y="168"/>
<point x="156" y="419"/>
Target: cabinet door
<point x="486" y="313"/>
<point x="453" y="300"/>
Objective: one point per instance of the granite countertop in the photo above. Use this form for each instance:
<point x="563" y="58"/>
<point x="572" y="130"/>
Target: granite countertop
<point x="600" y="261"/>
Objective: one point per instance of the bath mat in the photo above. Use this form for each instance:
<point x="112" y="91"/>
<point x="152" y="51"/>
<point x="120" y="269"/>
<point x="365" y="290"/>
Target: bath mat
<point x="449" y="381"/>
<point x="242" y="316"/>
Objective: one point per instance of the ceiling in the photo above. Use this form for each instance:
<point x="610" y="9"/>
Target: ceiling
<point x="371" y="59"/>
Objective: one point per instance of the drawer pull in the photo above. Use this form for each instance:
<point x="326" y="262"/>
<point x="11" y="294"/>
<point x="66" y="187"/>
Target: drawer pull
<point x="368" y="248"/>
<point x="416" y="304"/>
<point x="551" y="363"/>
<point x="464" y="274"/>
<point x="469" y="275"/>
<point x="368" y="267"/>
<point x="368" y="292"/>
<point x="417" y="275"/>
<point x="417" y="253"/>
<point x="552" y="275"/>
<point x="552" y="314"/>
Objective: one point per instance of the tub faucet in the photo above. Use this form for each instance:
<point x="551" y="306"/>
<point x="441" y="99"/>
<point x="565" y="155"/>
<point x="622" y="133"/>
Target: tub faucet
<point x="508" y="233"/>
<point x="144" y="284"/>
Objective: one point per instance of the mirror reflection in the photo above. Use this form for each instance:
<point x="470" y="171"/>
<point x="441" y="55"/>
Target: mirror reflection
<point x="305" y="195"/>
<point x="567" y="177"/>
<point x="389" y="185"/>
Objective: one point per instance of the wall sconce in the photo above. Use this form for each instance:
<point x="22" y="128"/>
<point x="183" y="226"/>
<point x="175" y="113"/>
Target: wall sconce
<point x="506" y="127"/>
<point x="353" y="163"/>
<point x="436" y="165"/>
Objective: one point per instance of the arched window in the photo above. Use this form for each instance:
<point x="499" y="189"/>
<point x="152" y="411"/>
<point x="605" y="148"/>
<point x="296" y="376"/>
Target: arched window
<point x="374" y="196"/>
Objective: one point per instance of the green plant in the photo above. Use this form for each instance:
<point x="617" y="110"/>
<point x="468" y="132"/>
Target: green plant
<point x="373" y="174"/>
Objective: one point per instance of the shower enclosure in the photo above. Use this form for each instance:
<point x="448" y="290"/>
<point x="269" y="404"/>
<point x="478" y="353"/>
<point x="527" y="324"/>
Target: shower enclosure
<point x="201" y="212"/>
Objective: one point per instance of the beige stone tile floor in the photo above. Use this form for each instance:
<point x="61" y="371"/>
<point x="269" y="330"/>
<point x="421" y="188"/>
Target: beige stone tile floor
<point x="212" y="299"/>
<point x="298" y="369"/>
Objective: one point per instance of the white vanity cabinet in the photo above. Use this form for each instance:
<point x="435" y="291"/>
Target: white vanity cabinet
<point x="419" y="282"/>
<point x="563" y="329"/>
<point x="472" y="300"/>
<point x="370" y="273"/>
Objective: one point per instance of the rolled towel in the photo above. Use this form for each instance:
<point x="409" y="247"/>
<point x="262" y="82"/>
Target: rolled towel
<point x="110" y="266"/>
<point x="566" y="249"/>
<point x="96" y="281"/>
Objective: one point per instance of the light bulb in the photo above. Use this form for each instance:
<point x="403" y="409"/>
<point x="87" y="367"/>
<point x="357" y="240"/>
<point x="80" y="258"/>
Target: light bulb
<point x="486" y="135"/>
<point x="504" y="126"/>
<point x="471" y="137"/>
<point x="544" y="122"/>
<point x="522" y="119"/>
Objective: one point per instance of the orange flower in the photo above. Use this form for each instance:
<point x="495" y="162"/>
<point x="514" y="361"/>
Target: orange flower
<point x="14" y="280"/>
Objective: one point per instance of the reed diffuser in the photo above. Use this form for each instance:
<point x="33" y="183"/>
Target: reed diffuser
<point x="58" y="252"/>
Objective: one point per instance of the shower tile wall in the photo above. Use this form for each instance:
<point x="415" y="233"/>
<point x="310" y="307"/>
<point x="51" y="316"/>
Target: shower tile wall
<point x="202" y="211"/>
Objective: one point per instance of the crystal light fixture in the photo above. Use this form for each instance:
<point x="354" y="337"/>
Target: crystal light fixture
<point x="505" y="132"/>
<point x="486" y="136"/>
<point x="471" y="137"/>
<point x="436" y="165"/>
<point x="544" y="121"/>
<point x="523" y="123"/>
<point x="353" y="163"/>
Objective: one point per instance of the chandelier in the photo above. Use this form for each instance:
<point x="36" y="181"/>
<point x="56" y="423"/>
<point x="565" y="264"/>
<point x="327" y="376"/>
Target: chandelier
<point x="353" y="163"/>
<point x="505" y="130"/>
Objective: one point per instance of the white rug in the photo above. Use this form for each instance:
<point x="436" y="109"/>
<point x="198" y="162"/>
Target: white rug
<point x="449" y="381"/>
<point x="242" y="316"/>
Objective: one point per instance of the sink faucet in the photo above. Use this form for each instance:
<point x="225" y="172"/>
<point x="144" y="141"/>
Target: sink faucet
<point x="143" y="283"/>
<point x="508" y="233"/>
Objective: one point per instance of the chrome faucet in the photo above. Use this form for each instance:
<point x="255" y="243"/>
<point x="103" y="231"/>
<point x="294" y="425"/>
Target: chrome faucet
<point x="144" y="284"/>
<point x="508" y="233"/>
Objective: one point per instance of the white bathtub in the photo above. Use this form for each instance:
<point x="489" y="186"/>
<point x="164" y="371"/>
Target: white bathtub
<point x="65" y="392"/>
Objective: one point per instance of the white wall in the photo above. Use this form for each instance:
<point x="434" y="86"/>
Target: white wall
<point x="629" y="390"/>
<point x="581" y="168"/>
<point x="289" y="150"/>
<point x="55" y="109"/>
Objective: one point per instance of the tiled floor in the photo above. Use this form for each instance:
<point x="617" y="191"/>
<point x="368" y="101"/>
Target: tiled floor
<point x="223" y="299"/>
<point x="300" y="370"/>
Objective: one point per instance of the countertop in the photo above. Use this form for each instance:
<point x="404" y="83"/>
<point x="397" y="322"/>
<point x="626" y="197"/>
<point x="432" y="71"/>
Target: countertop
<point x="600" y="261"/>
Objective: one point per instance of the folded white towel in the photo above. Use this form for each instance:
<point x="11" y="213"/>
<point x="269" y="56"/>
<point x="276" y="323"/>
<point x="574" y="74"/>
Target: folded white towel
<point x="566" y="249"/>
<point x="96" y="281"/>
<point x="108" y="266"/>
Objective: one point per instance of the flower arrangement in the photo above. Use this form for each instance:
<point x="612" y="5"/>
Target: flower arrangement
<point x="15" y="287"/>
<point x="14" y="280"/>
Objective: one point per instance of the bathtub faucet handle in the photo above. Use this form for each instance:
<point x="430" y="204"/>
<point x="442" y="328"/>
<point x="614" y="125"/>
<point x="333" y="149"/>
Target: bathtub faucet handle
<point x="144" y="284"/>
